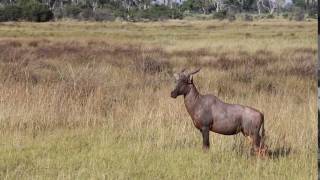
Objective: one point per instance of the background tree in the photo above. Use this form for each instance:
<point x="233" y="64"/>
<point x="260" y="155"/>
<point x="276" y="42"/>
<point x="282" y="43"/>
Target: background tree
<point x="146" y="9"/>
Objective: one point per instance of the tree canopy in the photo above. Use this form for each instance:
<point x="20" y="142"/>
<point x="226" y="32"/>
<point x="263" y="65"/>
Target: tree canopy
<point x="135" y="10"/>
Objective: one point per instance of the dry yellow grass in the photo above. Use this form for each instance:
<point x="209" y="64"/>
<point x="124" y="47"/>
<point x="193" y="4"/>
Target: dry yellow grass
<point x="91" y="100"/>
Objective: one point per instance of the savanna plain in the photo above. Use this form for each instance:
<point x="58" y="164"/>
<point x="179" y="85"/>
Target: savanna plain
<point x="86" y="100"/>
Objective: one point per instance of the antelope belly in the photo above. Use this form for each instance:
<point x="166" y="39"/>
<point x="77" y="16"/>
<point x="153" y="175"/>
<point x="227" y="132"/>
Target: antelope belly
<point x="226" y="128"/>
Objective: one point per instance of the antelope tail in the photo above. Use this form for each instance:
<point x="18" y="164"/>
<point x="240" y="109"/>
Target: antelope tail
<point x="262" y="133"/>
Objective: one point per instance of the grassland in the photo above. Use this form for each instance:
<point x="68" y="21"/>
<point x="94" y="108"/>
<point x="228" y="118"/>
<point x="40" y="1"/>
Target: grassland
<point x="83" y="100"/>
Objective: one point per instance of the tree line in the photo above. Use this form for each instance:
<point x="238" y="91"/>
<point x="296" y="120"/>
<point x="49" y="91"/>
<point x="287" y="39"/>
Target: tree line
<point x="136" y="10"/>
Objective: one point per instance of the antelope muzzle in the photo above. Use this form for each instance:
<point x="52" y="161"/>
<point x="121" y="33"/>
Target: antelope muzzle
<point x="174" y="94"/>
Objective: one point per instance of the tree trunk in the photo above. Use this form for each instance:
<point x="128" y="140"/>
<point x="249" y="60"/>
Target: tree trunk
<point x="94" y="5"/>
<point x="204" y="10"/>
<point x="170" y="4"/>
<point x="259" y="7"/>
<point x="217" y="6"/>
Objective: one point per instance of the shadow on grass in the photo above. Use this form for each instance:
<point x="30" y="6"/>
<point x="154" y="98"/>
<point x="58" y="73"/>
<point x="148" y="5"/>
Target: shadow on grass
<point x="279" y="152"/>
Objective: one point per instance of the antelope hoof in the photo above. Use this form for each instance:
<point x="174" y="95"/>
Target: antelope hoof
<point x="205" y="148"/>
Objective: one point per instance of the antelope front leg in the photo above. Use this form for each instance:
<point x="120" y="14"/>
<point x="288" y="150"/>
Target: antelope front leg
<point x="205" y="136"/>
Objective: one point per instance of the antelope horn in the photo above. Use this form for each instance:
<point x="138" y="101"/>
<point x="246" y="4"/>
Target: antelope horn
<point x="194" y="72"/>
<point x="183" y="70"/>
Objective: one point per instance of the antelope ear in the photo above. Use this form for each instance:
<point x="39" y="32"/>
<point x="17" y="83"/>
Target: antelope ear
<point x="176" y="76"/>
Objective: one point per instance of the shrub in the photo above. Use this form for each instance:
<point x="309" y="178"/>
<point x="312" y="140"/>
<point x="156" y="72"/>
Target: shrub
<point x="285" y="15"/>
<point x="103" y="15"/>
<point x="86" y="14"/>
<point x="26" y="10"/>
<point x="313" y="13"/>
<point x="35" y="11"/>
<point x="231" y="13"/>
<point x="269" y="16"/>
<point x="161" y="12"/>
<point x="157" y="12"/>
<point x="298" y="15"/>
<point x="10" y="13"/>
<point x="231" y="18"/>
<point x="261" y="16"/>
<point x="58" y="13"/>
<point x="299" y="3"/>
<point x="247" y="17"/>
<point x="133" y="15"/>
<point x="72" y="11"/>
<point x="119" y="13"/>
<point x="220" y="15"/>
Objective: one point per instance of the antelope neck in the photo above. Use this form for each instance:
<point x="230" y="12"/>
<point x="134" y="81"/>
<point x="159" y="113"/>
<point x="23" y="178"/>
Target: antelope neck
<point x="191" y="96"/>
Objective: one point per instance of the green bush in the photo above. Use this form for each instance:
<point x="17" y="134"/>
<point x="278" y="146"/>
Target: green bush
<point x="298" y="14"/>
<point x="10" y="13"/>
<point x="161" y="12"/>
<point x="35" y="11"/>
<point x="133" y="15"/>
<point x="86" y="14"/>
<point x="220" y="15"/>
<point x="269" y="16"/>
<point x="58" y="13"/>
<point x="26" y="10"/>
<point x="231" y="13"/>
<point x="313" y="13"/>
<point x="103" y="15"/>
<point x="299" y="3"/>
<point x="157" y="12"/>
<point x="248" y="17"/>
<point x="72" y="11"/>
<point x="285" y="15"/>
<point x="231" y="17"/>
